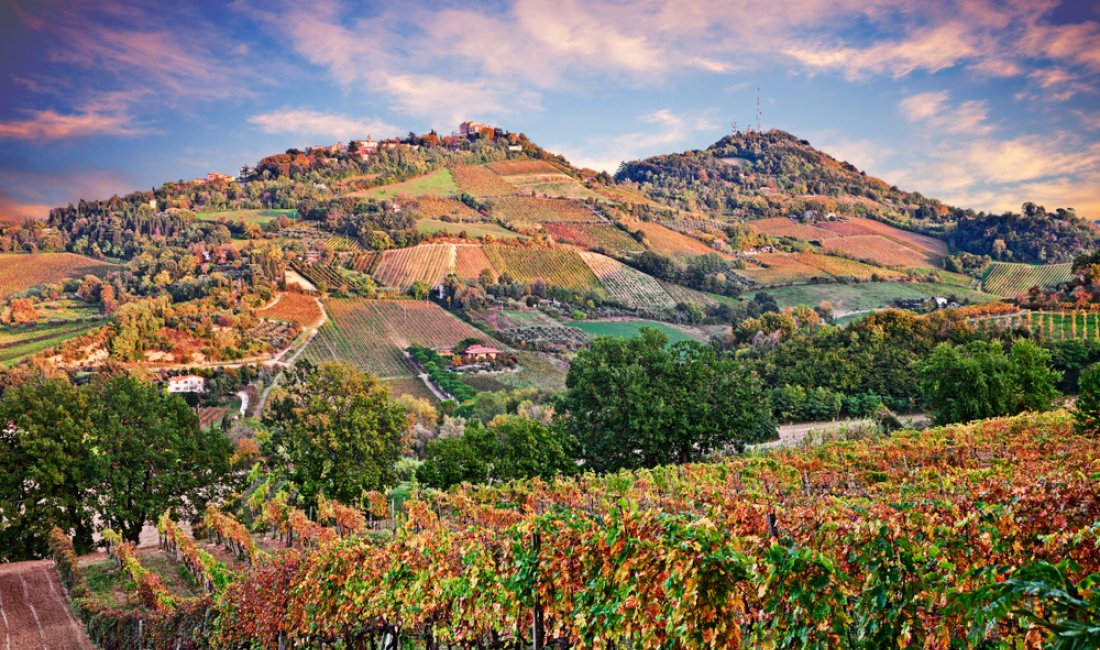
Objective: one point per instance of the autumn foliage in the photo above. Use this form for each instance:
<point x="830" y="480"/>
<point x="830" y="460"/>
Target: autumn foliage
<point x="887" y="542"/>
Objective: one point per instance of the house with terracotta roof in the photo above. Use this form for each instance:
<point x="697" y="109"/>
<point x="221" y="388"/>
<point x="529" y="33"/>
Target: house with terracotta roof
<point x="187" y="384"/>
<point x="480" y="353"/>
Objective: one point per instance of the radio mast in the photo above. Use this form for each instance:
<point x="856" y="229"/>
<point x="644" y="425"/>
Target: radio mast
<point x="758" y="109"/>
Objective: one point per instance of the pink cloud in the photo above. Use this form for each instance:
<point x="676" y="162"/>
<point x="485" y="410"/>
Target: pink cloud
<point x="52" y="125"/>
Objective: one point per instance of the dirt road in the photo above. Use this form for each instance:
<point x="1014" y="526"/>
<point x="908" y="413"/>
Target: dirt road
<point x="34" y="612"/>
<point x="791" y="435"/>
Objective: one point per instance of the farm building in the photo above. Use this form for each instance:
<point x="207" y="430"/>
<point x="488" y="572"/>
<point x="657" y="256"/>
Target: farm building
<point x="468" y="128"/>
<point x="477" y="353"/>
<point x="187" y="384"/>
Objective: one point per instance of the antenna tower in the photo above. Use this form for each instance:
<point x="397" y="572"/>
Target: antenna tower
<point x="735" y="127"/>
<point x="758" y="109"/>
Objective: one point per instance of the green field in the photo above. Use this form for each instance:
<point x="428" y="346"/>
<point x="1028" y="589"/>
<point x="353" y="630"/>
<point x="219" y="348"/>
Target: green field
<point x="628" y="328"/>
<point x="17" y="343"/>
<point x="476" y="229"/>
<point x="259" y="217"/>
<point x="871" y="295"/>
<point x="1006" y="279"/>
<point x="437" y="183"/>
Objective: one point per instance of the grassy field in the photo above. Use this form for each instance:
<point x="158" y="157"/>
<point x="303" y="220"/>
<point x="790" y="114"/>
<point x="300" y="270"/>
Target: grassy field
<point x="628" y="328"/>
<point x="19" y="272"/>
<point x="259" y="217"/>
<point x="437" y="183"/>
<point x="472" y="229"/>
<point x="871" y="295"/>
<point x="18" y="343"/>
<point x="1007" y="279"/>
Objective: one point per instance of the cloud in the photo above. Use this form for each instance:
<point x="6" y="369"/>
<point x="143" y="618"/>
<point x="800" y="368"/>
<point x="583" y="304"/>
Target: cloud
<point x="930" y="50"/>
<point x="934" y="109"/>
<point x="107" y="115"/>
<point x="323" y="125"/>
<point x="14" y="210"/>
<point x="30" y="193"/>
<point x="990" y="174"/>
<point x="449" y="101"/>
<point x="666" y="130"/>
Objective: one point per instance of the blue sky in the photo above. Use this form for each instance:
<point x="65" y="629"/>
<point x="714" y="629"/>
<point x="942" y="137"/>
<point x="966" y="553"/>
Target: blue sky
<point x="985" y="104"/>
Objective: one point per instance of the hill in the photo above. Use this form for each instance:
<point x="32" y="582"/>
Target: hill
<point x="753" y="175"/>
<point x="760" y="177"/>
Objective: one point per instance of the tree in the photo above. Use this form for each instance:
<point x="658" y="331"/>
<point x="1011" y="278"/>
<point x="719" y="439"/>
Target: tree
<point x="337" y="430"/>
<point x="1034" y="377"/>
<point x="1086" y="414"/>
<point x="420" y="289"/>
<point x="45" y="466"/>
<point x="510" y="448"/>
<point x="980" y="380"/>
<point x="150" y="453"/>
<point x="639" y="402"/>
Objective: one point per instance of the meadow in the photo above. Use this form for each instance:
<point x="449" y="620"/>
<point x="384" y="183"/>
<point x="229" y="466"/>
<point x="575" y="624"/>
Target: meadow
<point x="18" y="343"/>
<point x="864" y="296"/>
<point x="473" y="229"/>
<point x="628" y="328"/>
<point x="437" y="183"/>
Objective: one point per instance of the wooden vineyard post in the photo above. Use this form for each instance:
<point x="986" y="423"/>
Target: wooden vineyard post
<point x="538" y="622"/>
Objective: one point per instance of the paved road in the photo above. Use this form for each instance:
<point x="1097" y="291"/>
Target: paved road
<point x="34" y="612"/>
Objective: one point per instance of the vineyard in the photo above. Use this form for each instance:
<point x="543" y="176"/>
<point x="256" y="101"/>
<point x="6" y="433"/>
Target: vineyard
<point x="373" y="334"/>
<point x="523" y="168"/>
<point x="631" y="287"/>
<point x="669" y="242"/>
<point x="799" y="268"/>
<point x="521" y="212"/>
<point x="401" y="267"/>
<point x="1006" y="279"/>
<point x="341" y="244"/>
<point x="558" y="267"/>
<point x="876" y="249"/>
<point x="470" y="261"/>
<point x="863" y="226"/>
<point x="595" y="236"/>
<point x="294" y="307"/>
<point x="953" y="537"/>
<point x="328" y="278"/>
<point x="783" y="227"/>
<point x="19" y="272"/>
<point x="481" y="181"/>
<point x="1049" y="325"/>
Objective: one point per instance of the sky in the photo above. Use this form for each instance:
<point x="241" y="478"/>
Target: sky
<point x="984" y="104"/>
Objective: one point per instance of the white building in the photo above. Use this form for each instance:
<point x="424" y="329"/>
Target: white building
<point x="187" y="384"/>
